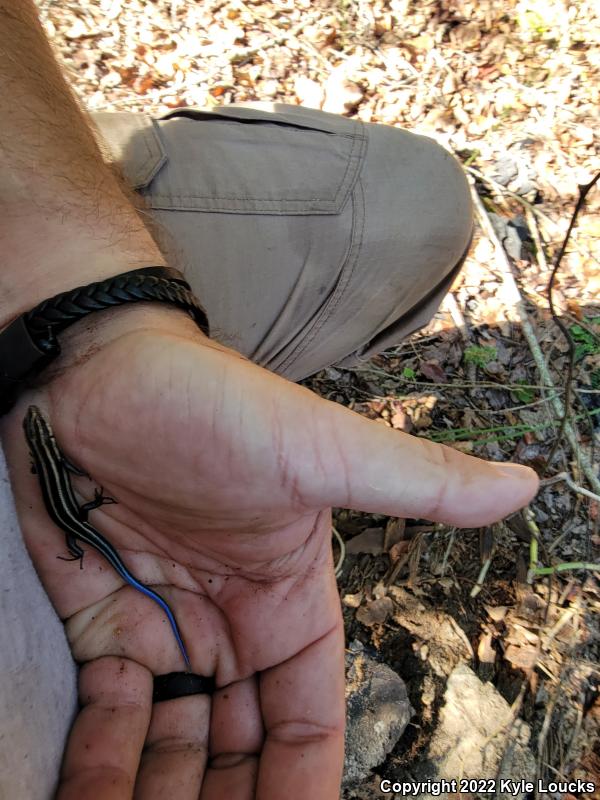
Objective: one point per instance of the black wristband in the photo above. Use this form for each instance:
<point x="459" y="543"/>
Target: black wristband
<point x="29" y="343"/>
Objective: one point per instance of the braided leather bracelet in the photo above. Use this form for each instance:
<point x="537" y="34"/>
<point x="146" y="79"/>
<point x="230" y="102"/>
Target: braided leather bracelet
<point x="29" y="343"/>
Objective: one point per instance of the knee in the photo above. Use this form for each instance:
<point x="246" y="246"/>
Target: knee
<point x="418" y="199"/>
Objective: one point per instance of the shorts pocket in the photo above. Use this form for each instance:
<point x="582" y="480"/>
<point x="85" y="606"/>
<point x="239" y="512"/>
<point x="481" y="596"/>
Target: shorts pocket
<point x="246" y="159"/>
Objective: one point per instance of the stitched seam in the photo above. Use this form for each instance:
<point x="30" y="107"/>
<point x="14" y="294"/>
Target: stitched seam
<point x="277" y="200"/>
<point x="142" y="178"/>
<point x="340" y="290"/>
<point x="351" y="159"/>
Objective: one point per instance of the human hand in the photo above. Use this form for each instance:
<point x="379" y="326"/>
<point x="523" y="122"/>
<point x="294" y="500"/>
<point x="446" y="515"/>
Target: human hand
<point x="225" y="475"/>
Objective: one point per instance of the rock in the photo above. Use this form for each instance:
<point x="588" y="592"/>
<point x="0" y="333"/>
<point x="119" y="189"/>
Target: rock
<point x="513" y="233"/>
<point x="470" y="742"/>
<point x="378" y="711"/>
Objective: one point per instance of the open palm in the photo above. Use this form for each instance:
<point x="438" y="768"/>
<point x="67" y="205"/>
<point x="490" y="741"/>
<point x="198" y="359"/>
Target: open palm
<point x="225" y="475"/>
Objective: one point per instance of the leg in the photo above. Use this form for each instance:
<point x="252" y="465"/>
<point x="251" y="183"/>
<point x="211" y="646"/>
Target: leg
<point x="99" y="500"/>
<point x="76" y="551"/>
<point x="337" y="239"/>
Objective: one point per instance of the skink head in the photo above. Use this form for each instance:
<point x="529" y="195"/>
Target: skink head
<point x="38" y="432"/>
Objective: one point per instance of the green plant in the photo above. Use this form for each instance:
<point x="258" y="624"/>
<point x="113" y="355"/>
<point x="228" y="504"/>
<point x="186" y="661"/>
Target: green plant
<point x="523" y="395"/>
<point x="480" y="355"/>
<point x="586" y="342"/>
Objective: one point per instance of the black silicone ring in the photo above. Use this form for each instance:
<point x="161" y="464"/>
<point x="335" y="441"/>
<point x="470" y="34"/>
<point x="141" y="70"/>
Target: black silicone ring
<point x="180" y="684"/>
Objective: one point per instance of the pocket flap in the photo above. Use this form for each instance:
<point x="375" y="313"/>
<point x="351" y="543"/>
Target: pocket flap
<point x="133" y="143"/>
<point x="260" y="158"/>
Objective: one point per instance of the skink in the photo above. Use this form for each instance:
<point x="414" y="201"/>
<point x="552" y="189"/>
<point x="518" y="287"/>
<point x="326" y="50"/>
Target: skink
<point x="53" y="469"/>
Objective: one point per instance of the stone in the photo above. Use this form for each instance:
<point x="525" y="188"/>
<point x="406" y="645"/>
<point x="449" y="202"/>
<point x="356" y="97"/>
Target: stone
<point x="378" y="711"/>
<point x="475" y="739"/>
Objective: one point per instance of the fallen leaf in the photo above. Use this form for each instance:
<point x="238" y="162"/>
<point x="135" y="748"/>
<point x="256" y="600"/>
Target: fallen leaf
<point x="341" y="94"/>
<point x="369" y="541"/>
<point x="400" y="421"/>
<point x="398" y="550"/>
<point x="376" y="612"/>
<point x="524" y="657"/>
<point x="77" y="30"/>
<point x="497" y="613"/>
<point x="309" y="92"/>
<point x="353" y="600"/>
<point x="433" y="371"/>
<point x="485" y="652"/>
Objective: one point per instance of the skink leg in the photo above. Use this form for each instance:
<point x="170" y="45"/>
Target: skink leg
<point x="99" y="500"/>
<point x="76" y="551"/>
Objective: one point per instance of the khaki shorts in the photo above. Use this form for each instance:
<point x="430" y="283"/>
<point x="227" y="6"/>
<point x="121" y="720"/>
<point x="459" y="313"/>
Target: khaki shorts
<point x="311" y="239"/>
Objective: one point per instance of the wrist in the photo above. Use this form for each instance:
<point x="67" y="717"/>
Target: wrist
<point x="101" y="328"/>
<point x="46" y="257"/>
<point x="34" y="342"/>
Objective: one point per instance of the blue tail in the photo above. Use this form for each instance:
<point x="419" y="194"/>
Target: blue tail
<point x="163" y="604"/>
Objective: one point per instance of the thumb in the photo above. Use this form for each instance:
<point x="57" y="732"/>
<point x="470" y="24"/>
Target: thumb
<point x="369" y="467"/>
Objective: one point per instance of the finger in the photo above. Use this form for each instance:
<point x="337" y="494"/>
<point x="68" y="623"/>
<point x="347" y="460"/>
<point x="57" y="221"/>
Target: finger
<point x="303" y="710"/>
<point x="236" y="739"/>
<point x="235" y="779"/>
<point x="367" y="467"/>
<point x="106" y="741"/>
<point x="176" y="751"/>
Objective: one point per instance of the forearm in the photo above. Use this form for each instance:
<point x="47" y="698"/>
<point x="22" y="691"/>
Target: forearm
<point x="65" y="218"/>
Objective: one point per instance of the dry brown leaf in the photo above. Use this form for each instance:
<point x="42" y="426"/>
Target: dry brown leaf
<point x="398" y="550"/>
<point x="485" y="652"/>
<point x="524" y="657"/>
<point x="497" y="613"/>
<point x="433" y="371"/>
<point x="400" y="421"/>
<point x="369" y="541"/>
<point x="353" y="600"/>
<point x="341" y="93"/>
<point x="375" y="612"/>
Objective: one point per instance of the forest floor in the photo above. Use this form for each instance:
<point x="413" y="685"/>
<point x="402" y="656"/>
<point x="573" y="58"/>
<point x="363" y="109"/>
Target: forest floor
<point x="512" y="88"/>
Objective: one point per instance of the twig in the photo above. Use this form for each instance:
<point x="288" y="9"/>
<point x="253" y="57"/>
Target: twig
<point x="563" y="476"/>
<point x="342" y="556"/>
<point x="567" y="566"/>
<point x="459" y="385"/>
<point x="535" y="540"/>
<point x="544" y="732"/>
<point x="514" y="296"/>
<point x="565" y="617"/>
<point x="481" y="578"/>
<point x="583" y="193"/>
<point x="457" y="317"/>
<point x="448" y="551"/>
<point x="550" y="224"/>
